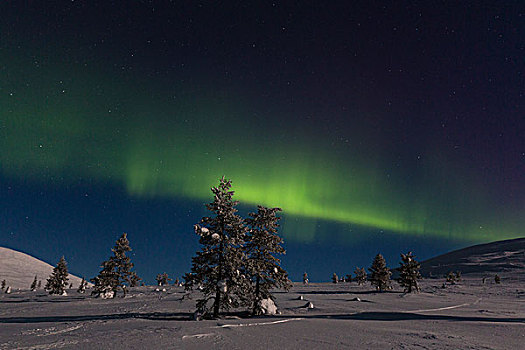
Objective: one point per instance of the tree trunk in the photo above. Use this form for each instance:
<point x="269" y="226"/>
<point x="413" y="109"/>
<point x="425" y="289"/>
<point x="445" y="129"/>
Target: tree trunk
<point x="256" y="299"/>
<point x="217" y="302"/>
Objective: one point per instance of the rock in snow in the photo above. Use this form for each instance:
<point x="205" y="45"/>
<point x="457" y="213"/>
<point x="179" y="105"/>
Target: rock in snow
<point x="309" y="305"/>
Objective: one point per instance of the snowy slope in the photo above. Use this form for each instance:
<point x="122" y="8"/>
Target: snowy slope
<point x="19" y="269"/>
<point x="507" y="257"/>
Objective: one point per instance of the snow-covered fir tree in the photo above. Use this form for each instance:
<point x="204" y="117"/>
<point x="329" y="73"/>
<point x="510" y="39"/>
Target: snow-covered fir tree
<point x="262" y="267"/>
<point x="106" y="283"/>
<point x="162" y="279"/>
<point x="82" y="287"/>
<point x="58" y="281"/>
<point x="380" y="273"/>
<point x="116" y="273"/>
<point x="217" y="269"/>
<point x="409" y="273"/>
<point x="360" y="275"/>
<point x="34" y="284"/>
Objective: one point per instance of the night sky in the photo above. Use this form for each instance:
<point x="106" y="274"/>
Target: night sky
<point x="376" y="126"/>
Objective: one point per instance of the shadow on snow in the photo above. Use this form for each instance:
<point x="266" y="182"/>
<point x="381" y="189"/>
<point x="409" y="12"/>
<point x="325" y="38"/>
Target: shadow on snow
<point x="156" y="316"/>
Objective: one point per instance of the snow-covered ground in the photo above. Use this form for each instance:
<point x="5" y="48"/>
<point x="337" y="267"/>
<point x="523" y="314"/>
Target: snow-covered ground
<point x="469" y="315"/>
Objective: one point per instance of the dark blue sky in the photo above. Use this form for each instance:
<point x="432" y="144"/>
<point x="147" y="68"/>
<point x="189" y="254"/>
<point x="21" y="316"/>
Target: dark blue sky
<point x="376" y="126"/>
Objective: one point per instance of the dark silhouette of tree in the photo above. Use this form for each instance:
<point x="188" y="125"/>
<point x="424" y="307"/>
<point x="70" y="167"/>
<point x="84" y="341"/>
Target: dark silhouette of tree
<point x="34" y="284"/>
<point x="162" y="279"/>
<point x="409" y="273"/>
<point x="57" y="282"/>
<point x="217" y="267"/>
<point x="497" y="279"/>
<point x="3" y="284"/>
<point x="360" y="275"/>
<point x="106" y="283"/>
<point x="82" y="287"/>
<point x="116" y="273"/>
<point x="335" y="279"/>
<point x="451" y="277"/>
<point x="380" y="274"/>
<point x="305" y="278"/>
<point x="262" y="268"/>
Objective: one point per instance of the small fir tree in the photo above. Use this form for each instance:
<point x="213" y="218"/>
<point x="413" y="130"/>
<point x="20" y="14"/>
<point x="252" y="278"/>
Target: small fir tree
<point x="3" y="284"/>
<point x="451" y="277"/>
<point x="106" y="283"/>
<point x="348" y="278"/>
<point x="335" y="279"/>
<point x="82" y="287"/>
<point x="34" y="284"/>
<point x="458" y="275"/>
<point x="380" y="274"/>
<point x="409" y="273"/>
<point x="360" y="275"/>
<point x="58" y="281"/>
<point x="497" y="279"/>
<point x="305" y="278"/>
<point x="162" y="279"/>
<point x="39" y="284"/>
<point x="262" y="267"/>
<point x="217" y="268"/>
<point x="116" y="273"/>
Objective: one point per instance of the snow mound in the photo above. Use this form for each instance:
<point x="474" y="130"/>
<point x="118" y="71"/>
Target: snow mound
<point x="266" y="307"/>
<point x="19" y="269"/>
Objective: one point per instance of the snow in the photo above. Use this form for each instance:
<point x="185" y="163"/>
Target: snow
<point x="267" y="307"/>
<point x="19" y="270"/>
<point x="466" y="315"/>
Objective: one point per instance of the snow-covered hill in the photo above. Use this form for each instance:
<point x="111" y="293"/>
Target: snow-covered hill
<point x="504" y="257"/>
<point x="19" y="269"/>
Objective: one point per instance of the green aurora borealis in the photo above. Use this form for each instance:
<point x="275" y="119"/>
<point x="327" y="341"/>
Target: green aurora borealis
<point x="61" y="122"/>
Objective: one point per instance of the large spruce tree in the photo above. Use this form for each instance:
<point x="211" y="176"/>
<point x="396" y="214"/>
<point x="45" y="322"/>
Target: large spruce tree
<point x="116" y="273"/>
<point x="218" y="268"/>
<point x="263" y="268"/>
<point x="380" y="273"/>
<point x="409" y="273"/>
<point x="58" y="280"/>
